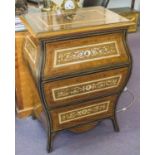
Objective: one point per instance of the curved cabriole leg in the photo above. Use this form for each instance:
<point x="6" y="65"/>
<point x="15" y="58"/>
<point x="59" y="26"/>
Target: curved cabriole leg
<point x="115" y="124"/>
<point x="50" y="142"/>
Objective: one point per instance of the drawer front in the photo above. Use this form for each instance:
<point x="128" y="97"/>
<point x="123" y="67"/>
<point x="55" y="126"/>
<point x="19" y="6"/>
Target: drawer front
<point x="84" y="87"/>
<point x="76" y="55"/>
<point x="74" y="115"/>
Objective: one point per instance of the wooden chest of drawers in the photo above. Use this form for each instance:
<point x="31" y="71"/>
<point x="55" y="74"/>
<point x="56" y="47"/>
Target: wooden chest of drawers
<point x="80" y="63"/>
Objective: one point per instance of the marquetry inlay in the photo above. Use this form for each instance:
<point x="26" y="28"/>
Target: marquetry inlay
<point x="85" y="87"/>
<point x="30" y="49"/>
<point x="87" y="111"/>
<point x="86" y="53"/>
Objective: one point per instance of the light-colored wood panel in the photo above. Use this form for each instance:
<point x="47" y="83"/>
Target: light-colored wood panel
<point x="26" y="92"/>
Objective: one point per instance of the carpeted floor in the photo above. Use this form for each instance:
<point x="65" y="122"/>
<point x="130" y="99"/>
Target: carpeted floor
<point x="31" y="137"/>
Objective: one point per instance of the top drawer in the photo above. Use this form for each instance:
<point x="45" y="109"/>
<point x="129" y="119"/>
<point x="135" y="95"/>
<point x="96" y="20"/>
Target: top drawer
<point x="77" y="55"/>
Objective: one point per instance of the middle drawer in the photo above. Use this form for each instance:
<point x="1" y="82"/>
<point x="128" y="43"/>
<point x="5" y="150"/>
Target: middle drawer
<point x="85" y="87"/>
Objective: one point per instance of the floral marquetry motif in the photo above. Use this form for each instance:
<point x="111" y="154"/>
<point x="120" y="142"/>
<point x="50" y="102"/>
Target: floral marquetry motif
<point x="86" y="87"/>
<point x="86" y="53"/>
<point x="79" y="113"/>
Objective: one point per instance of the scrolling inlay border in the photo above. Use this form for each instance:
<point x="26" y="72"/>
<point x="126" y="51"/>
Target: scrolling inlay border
<point x="86" y="87"/>
<point x="83" y="112"/>
<point x="86" y="53"/>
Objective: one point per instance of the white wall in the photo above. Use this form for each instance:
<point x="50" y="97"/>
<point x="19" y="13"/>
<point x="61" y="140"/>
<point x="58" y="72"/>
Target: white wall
<point x="114" y="3"/>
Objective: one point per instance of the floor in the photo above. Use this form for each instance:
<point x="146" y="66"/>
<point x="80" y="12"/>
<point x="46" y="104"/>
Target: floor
<point x="31" y="137"/>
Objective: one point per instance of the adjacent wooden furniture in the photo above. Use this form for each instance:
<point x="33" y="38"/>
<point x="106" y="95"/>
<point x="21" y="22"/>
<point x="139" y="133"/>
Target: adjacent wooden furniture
<point x="26" y="93"/>
<point x="129" y="13"/>
<point x="80" y="63"/>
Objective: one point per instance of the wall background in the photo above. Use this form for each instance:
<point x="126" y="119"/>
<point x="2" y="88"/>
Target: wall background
<point x="114" y="3"/>
<point x="123" y="3"/>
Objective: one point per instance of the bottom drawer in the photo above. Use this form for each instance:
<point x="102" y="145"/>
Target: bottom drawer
<point x="74" y="115"/>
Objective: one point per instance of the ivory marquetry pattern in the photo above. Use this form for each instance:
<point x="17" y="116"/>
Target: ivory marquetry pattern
<point x="87" y="53"/>
<point x="30" y="49"/>
<point x="87" y="111"/>
<point x="86" y="87"/>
